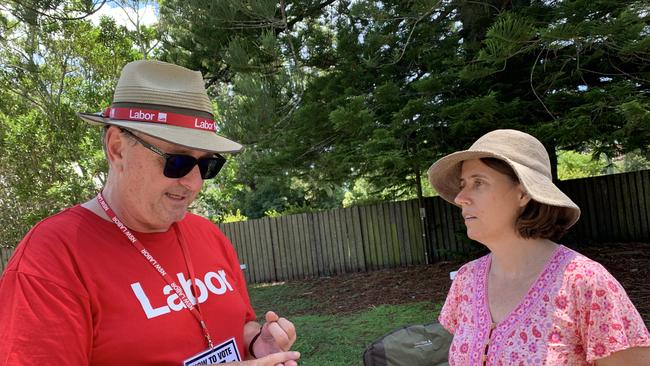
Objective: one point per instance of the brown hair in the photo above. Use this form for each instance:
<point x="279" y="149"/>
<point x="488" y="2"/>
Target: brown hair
<point x="538" y="220"/>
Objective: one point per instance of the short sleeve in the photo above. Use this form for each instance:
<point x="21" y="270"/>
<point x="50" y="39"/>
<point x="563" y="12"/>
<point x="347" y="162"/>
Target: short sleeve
<point x="45" y="313"/>
<point x="42" y="323"/>
<point x="449" y="314"/>
<point x="608" y="321"/>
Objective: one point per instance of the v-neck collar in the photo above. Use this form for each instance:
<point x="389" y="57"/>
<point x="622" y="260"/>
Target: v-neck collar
<point x="540" y="283"/>
<point x="482" y="310"/>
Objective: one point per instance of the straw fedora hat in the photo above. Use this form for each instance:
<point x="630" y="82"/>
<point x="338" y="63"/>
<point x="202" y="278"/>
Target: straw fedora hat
<point x="165" y="101"/>
<point x="525" y="155"/>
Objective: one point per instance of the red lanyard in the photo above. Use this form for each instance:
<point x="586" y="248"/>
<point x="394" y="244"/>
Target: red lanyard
<point x="159" y="268"/>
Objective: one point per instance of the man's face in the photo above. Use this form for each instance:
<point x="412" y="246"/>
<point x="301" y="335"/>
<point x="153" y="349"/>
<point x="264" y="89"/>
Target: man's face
<point x="147" y="200"/>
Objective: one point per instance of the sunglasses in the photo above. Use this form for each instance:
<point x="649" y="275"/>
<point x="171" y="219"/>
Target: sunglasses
<point x="179" y="165"/>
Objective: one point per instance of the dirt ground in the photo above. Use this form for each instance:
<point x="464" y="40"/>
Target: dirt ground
<point x="628" y="262"/>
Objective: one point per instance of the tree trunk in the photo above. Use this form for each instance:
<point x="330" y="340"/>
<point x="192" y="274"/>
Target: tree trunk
<point x="552" y="154"/>
<point x="424" y="224"/>
<point x="418" y="183"/>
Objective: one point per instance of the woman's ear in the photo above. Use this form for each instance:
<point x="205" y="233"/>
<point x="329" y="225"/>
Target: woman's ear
<point x="524" y="198"/>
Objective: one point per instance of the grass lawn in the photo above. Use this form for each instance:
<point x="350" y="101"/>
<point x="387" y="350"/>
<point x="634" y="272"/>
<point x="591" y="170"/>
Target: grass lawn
<point x="335" y="339"/>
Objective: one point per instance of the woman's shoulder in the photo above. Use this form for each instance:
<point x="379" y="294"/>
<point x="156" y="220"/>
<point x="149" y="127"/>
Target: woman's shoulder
<point x="579" y="264"/>
<point x="584" y="273"/>
<point x="470" y="268"/>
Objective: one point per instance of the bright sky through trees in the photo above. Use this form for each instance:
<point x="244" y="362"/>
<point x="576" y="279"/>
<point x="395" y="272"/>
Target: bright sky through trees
<point x="148" y="13"/>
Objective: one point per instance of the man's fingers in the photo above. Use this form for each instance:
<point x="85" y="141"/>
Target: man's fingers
<point x="284" y="324"/>
<point x="279" y="336"/>
<point x="288" y="363"/>
<point x="288" y="328"/>
<point x="279" y="330"/>
<point x="279" y="358"/>
<point x="271" y="316"/>
<point x="284" y="333"/>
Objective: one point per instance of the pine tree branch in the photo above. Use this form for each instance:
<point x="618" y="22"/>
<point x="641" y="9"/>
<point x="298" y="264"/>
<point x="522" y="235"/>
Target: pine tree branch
<point x="33" y="8"/>
<point x="532" y="87"/>
<point x="408" y="39"/>
<point x="309" y="12"/>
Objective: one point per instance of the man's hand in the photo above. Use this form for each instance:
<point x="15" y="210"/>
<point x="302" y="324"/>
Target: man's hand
<point x="278" y="335"/>
<point x="275" y="359"/>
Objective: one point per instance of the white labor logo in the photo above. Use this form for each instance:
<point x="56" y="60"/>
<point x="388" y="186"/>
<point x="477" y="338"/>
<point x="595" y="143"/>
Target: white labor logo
<point x="214" y="282"/>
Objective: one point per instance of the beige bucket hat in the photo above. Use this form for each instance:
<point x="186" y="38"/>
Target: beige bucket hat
<point x="523" y="152"/>
<point x="165" y="101"/>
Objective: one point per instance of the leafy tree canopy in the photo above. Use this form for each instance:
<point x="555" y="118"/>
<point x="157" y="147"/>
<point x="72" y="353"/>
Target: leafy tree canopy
<point x="53" y="63"/>
<point x="332" y="92"/>
<point x="332" y="99"/>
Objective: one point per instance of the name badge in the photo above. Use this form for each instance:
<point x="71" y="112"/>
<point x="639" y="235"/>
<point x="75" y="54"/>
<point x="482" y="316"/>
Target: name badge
<point x="225" y="352"/>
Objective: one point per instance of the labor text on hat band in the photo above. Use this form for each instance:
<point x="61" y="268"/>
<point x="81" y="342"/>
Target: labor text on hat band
<point x="155" y="116"/>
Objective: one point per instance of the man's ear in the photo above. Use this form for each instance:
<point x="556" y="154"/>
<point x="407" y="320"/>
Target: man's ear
<point x="115" y="141"/>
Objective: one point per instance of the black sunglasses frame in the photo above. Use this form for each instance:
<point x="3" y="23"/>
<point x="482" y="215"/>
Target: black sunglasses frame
<point x="209" y="167"/>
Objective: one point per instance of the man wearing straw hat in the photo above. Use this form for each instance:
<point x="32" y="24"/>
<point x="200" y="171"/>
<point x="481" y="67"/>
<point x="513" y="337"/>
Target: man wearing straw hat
<point x="130" y="277"/>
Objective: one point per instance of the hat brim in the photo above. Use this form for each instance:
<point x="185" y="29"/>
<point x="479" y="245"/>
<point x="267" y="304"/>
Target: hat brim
<point x="444" y="176"/>
<point x="187" y="137"/>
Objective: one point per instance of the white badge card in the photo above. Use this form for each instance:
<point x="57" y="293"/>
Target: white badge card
<point x="225" y="352"/>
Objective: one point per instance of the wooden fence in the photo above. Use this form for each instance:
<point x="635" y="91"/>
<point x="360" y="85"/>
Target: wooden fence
<point x="330" y="242"/>
<point x="614" y="208"/>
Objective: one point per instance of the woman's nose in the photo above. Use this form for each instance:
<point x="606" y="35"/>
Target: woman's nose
<point x="461" y="198"/>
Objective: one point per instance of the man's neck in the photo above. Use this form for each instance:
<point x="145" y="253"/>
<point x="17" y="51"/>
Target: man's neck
<point x="93" y="206"/>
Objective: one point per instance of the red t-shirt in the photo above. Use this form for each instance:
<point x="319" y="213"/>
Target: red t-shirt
<point x="76" y="292"/>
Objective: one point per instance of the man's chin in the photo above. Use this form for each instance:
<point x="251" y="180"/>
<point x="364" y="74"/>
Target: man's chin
<point x="180" y="215"/>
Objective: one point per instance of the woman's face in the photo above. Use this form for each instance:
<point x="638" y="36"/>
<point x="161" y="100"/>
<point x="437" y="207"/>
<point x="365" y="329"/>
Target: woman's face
<point x="490" y="201"/>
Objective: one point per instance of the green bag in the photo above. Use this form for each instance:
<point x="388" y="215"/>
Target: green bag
<point x="414" y="345"/>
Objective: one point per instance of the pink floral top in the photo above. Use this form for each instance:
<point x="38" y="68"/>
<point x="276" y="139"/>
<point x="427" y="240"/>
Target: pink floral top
<point x="574" y="313"/>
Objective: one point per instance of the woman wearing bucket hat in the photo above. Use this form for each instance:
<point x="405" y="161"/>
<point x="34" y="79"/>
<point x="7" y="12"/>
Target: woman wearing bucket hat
<point x="130" y="277"/>
<point x="530" y="301"/>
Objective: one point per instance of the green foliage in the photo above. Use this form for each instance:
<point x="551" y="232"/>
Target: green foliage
<point x="52" y="67"/>
<point x="236" y="217"/>
<point x="322" y="126"/>
<point x="272" y="213"/>
<point x="573" y="69"/>
<point x="146" y="39"/>
<point x="330" y="98"/>
<point x="362" y="193"/>
<point x="572" y="165"/>
<point x="215" y="201"/>
<point x="365" y="95"/>
<point x="281" y="196"/>
<point x="633" y="161"/>
<point x="509" y="33"/>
